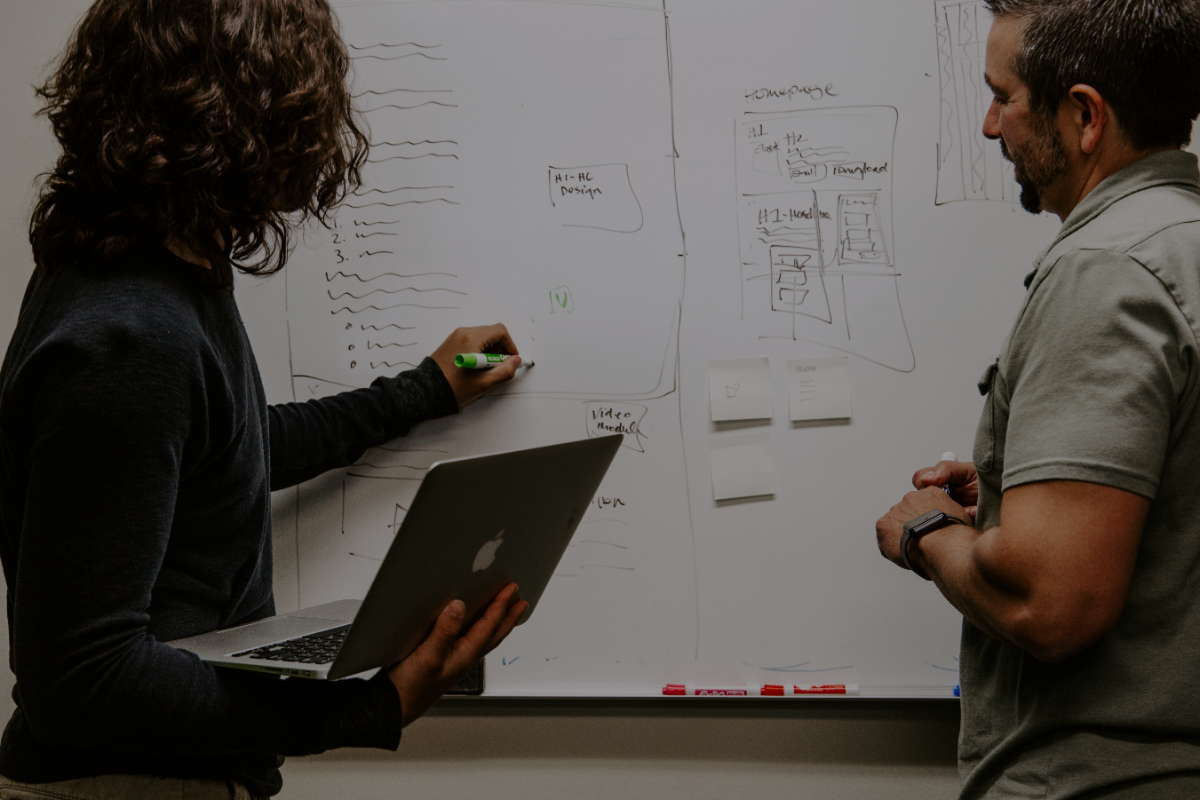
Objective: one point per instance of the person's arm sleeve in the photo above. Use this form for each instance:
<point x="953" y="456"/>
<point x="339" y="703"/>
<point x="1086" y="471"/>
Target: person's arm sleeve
<point x="313" y="437"/>
<point x="1099" y="368"/>
<point x="109" y="447"/>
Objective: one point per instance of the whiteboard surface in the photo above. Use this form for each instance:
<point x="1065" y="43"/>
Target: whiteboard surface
<point x="635" y="191"/>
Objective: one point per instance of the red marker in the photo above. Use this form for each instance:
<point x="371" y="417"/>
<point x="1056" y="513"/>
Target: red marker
<point x="702" y="690"/>
<point x="741" y="690"/>
<point x="828" y="688"/>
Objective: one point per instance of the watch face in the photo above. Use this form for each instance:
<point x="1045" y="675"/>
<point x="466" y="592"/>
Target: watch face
<point x="925" y="523"/>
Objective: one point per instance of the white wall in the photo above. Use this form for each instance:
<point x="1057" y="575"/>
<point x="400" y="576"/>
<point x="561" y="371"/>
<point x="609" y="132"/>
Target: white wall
<point x="502" y="749"/>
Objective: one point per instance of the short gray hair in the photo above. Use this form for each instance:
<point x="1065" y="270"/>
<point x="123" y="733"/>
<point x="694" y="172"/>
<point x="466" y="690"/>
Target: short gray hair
<point x="1142" y="56"/>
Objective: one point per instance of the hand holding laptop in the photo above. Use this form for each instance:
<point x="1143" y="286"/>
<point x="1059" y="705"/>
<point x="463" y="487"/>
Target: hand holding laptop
<point x="445" y="656"/>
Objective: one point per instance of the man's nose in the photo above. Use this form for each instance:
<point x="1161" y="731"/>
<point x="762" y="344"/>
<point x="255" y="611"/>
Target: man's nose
<point x="991" y="122"/>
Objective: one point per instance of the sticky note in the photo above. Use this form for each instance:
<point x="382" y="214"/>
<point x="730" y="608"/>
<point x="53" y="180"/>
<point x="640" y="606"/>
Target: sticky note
<point x="740" y="388"/>
<point x="819" y="388"/>
<point x="742" y="466"/>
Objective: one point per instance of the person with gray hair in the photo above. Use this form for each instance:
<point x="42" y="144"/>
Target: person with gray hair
<point x="1071" y="543"/>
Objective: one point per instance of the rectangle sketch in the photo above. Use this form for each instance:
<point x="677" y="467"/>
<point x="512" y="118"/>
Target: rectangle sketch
<point x="475" y="109"/>
<point x="454" y="224"/>
<point x="970" y="167"/>
<point x="814" y="213"/>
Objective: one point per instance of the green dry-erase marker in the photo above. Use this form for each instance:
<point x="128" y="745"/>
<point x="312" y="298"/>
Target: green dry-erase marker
<point x="484" y="360"/>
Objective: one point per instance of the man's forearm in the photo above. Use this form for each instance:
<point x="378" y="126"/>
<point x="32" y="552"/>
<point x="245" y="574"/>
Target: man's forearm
<point x="949" y="556"/>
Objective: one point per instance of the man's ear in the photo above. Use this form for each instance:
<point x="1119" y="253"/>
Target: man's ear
<point x="1088" y="116"/>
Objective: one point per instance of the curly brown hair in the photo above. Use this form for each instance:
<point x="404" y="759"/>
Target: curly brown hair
<point x="220" y="124"/>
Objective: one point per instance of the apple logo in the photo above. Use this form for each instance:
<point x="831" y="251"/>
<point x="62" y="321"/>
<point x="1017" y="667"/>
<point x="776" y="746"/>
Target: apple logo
<point x="487" y="554"/>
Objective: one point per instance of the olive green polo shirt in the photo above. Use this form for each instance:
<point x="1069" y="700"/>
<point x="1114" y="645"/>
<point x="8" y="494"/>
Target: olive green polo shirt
<point x="1099" y="381"/>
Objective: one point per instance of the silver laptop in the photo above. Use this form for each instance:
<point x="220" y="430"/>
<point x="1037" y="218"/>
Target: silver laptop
<point x="475" y="525"/>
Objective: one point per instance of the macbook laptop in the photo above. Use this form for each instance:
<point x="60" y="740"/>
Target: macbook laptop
<point x="475" y="525"/>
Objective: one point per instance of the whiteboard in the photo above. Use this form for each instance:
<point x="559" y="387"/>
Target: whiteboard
<point x="634" y="190"/>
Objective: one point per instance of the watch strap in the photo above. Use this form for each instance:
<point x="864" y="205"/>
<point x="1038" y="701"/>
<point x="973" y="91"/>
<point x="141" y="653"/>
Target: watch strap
<point x="908" y="537"/>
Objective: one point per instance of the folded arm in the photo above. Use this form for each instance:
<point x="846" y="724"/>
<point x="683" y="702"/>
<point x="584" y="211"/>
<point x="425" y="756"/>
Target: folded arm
<point x="1052" y="578"/>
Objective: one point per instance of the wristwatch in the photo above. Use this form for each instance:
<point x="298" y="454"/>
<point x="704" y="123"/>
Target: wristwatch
<point x="915" y="528"/>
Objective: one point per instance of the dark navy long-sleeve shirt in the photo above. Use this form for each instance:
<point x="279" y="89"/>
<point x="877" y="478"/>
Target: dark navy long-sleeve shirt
<point x="137" y="459"/>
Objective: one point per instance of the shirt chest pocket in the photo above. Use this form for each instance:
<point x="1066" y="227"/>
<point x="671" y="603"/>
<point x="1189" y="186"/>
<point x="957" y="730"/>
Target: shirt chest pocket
<point x="985" y="435"/>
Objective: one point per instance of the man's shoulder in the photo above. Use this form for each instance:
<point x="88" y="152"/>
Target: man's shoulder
<point x="1155" y="232"/>
<point x="1139" y="222"/>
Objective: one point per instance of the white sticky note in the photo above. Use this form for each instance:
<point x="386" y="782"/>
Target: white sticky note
<point x="742" y="466"/>
<point x="740" y="388"/>
<point x="819" y="388"/>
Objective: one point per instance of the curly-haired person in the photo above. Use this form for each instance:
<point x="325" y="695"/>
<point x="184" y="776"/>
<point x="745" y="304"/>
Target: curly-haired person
<point x="137" y="450"/>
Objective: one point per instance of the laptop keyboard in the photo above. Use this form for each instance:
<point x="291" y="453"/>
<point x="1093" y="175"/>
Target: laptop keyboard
<point x="315" y="648"/>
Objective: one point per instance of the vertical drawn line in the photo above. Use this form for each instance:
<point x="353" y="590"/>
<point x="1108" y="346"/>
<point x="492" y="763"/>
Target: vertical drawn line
<point x="961" y="133"/>
<point x="738" y="199"/>
<point x="820" y="261"/>
<point x="292" y="381"/>
<point x="845" y="308"/>
<point x="297" y="545"/>
<point x="678" y="337"/>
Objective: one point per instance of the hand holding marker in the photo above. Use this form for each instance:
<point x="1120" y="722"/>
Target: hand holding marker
<point x="484" y="360"/>
<point x="948" y="457"/>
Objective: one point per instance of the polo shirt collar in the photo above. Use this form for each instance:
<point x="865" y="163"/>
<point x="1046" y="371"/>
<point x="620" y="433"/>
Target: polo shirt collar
<point x="1157" y="169"/>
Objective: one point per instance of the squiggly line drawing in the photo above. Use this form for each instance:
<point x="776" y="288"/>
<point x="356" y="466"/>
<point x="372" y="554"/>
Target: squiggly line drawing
<point x="394" y="91"/>
<point x="397" y="327"/>
<point x="332" y="296"/>
<point x="410" y="108"/>
<point x="390" y="365"/>
<point x="423" y="141"/>
<point x="593" y="566"/>
<point x="376" y="253"/>
<point x="398" y="305"/>
<point x="799" y="668"/>
<point x="361" y="279"/>
<point x="399" y="189"/>
<point x="405" y="203"/>
<point x="412" y="158"/>
<point x="358" y="224"/>
<point x="377" y="346"/>
<point x="396" y="58"/>
<point x="401" y="44"/>
<point x="968" y="166"/>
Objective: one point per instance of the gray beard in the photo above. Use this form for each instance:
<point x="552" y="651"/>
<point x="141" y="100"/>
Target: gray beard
<point x="1046" y="166"/>
<point x="1031" y="198"/>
